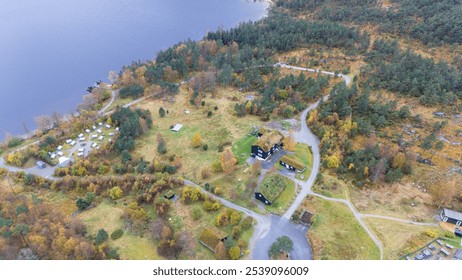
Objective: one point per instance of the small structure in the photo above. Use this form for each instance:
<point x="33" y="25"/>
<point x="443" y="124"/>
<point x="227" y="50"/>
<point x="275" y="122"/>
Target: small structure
<point x="53" y="156"/>
<point x="176" y="127"/>
<point x="40" y="164"/>
<point x="458" y="255"/>
<point x="99" y="131"/>
<point x="292" y="164"/>
<point x="210" y="237"/>
<point x="117" y="129"/>
<point x="444" y="252"/>
<point x="94" y="145"/>
<point x="427" y="254"/>
<point x="269" y="190"/>
<point x="439" y="114"/>
<point x="81" y="150"/>
<point x="81" y="139"/>
<point x="187" y="112"/>
<point x="87" y="131"/>
<point x="101" y="138"/>
<point x="60" y="153"/>
<point x="266" y="145"/>
<point x="80" y="135"/>
<point x="169" y="194"/>
<point x="305" y="217"/>
<point x="68" y="141"/>
<point x="60" y="148"/>
<point x="64" y="161"/>
<point x="111" y="133"/>
<point x="100" y="124"/>
<point x="458" y="232"/>
<point x="73" y="143"/>
<point x="94" y="136"/>
<point x="94" y="127"/>
<point x="451" y="216"/>
<point x="108" y="126"/>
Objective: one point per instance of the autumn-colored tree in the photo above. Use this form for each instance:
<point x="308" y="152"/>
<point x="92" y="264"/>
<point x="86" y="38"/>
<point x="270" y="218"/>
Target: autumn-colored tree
<point x="228" y="161"/>
<point x="235" y="218"/>
<point x="220" y="251"/>
<point x="289" y="142"/>
<point x="234" y="252"/>
<point x="399" y="160"/>
<point x="332" y="161"/>
<point x="115" y="193"/>
<point x="196" y="140"/>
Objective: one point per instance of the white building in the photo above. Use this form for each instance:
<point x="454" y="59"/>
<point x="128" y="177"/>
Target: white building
<point x="64" y="161"/>
<point x="177" y="127"/>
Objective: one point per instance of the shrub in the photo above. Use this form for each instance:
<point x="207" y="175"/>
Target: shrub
<point x="205" y="147"/>
<point x="131" y="91"/>
<point x="209" y="114"/>
<point x="215" y="108"/>
<point x="234" y="252"/>
<point x="116" y="234"/>
<point x="246" y="223"/>
<point x="115" y="193"/>
<point x="196" y="213"/>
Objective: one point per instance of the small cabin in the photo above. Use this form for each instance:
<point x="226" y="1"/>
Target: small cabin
<point x="210" y="237"/>
<point x="169" y="194"/>
<point x="451" y="216"/>
<point x="64" y="161"/>
<point x="40" y="164"/>
<point x="292" y="164"/>
<point x="176" y="127"/>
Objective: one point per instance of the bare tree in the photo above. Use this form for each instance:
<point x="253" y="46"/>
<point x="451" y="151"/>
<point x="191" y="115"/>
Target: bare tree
<point x="378" y="171"/>
<point x="113" y="77"/>
<point x="43" y="122"/>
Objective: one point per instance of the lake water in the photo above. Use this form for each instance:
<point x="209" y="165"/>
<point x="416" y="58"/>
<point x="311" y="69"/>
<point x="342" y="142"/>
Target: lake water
<point x="50" y="51"/>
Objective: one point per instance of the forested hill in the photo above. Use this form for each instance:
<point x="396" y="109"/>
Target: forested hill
<point x="431" y="22"/>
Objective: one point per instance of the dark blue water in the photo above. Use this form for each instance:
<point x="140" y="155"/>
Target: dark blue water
<point x="50" y="50"/>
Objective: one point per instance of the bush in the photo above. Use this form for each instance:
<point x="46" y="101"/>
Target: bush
<point x="115" y="193"/>
<point x="205" y="147"/>
<point x="170" y="169"/>
<point x="209" y="114"/>
<point x="116" y="234"/>
<point x="196" y="213"/>
<point x="246" y="223"/>
<point x="15" y="142"/>
<point x="234" y="252"/>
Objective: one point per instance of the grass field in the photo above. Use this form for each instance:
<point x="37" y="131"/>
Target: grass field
<point x="272" y="186"/>
<point x="336" y="234"/>
<point x="241" y="148"/>
<point x="332" y="187"/>
<point x="221" y="129"/>
<point x="394" y="236"/>
<point x="130" y="247"/>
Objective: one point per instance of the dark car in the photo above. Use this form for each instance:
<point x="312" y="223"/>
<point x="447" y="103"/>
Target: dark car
<point x="83" y="144"/>
<point x="458" y="232"/>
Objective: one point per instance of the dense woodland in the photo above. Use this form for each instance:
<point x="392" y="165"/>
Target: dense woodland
<point x="431" y="22"/>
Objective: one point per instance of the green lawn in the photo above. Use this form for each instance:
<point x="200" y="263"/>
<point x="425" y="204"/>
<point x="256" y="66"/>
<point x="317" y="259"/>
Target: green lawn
<point x="336" y="234"/>
<point x="241" y="148"/>
<point x="303" y="154"/>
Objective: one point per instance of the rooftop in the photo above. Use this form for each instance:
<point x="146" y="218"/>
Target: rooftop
<point x="293" y="162"/>
<point x="268" y="140"/>
<point x="210" y="237"/>
<point x="177" y="127"/>
<point x="452" y="214"/>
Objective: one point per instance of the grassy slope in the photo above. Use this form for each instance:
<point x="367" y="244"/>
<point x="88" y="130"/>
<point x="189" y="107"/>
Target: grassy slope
<point x="131" y="247"/>
<point x="336" y="234"/>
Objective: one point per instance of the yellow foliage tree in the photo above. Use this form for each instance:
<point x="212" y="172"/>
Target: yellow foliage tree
<point x="248" y="106"/>
<point x="234" y="252"/>
<point x="228" y="161"/>
<point x="332" y="161"/>
<point x="115" y="193"/>
<point x="366" y="171"/>
<point x="399" y="160"/>
<point x="289" y="142"/>
<point x="196" y="140"/>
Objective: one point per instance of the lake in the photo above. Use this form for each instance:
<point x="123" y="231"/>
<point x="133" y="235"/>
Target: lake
<point x="51" y="51"/>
